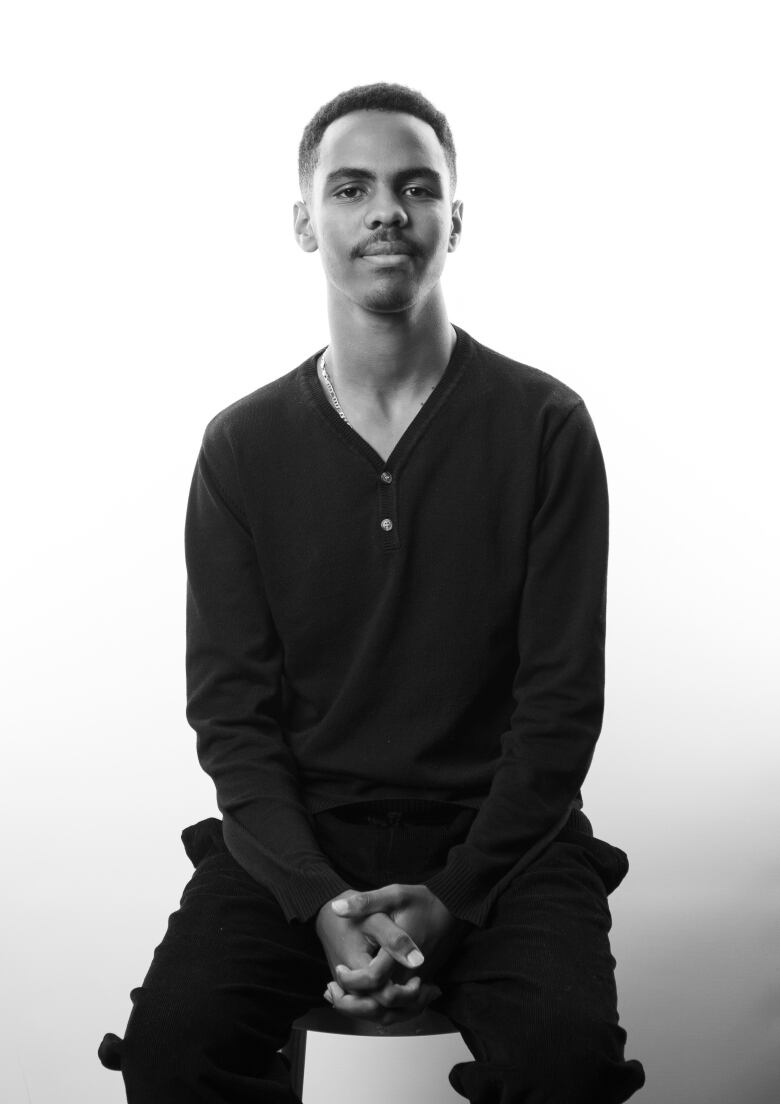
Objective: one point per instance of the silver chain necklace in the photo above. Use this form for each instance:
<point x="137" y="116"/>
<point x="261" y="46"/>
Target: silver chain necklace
<point x="331" y="389"/>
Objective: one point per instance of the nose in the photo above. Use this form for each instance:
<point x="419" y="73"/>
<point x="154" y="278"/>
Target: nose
<point x="385" y="209"/>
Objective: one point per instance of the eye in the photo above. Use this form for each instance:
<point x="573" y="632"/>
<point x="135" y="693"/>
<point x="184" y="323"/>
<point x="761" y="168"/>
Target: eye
<point x="342" y="192"/>
<point x="419" y="191"/>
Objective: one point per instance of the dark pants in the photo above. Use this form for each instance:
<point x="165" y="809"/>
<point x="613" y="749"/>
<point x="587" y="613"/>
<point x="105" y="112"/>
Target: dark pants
<point x="533" y="992"/>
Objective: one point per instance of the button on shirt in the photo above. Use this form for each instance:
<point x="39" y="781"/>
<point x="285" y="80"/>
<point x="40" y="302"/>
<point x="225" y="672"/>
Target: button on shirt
<point x="328" y="663"/>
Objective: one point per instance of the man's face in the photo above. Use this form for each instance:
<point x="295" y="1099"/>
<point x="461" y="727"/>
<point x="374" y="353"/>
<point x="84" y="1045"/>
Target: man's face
<point x="380" y="211"/>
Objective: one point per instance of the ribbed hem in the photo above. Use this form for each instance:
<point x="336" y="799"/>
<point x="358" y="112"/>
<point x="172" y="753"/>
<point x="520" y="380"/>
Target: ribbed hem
<point x="468" y="894"/>
<point x="469" y="884"/>
<point x="302" y="896"/>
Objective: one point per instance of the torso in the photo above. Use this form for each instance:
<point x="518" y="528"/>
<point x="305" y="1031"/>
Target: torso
<point x="382" y="437"/>
<point x="381" y="433"/>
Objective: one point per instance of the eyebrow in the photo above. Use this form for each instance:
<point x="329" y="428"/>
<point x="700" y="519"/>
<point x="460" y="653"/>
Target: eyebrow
<point x="366" y="174"/>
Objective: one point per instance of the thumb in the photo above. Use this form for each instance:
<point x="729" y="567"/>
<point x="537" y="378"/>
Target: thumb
<point x="358" y="905"/>
<point x="394" y="940"/>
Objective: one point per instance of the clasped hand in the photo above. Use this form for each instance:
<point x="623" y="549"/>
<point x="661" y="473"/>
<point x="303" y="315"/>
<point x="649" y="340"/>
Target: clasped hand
<point x="376" y="940"/>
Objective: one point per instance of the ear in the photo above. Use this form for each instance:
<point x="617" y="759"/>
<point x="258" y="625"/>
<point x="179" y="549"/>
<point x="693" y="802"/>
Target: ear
<point x="303" y="228"/>
<point x="457" y="225"/>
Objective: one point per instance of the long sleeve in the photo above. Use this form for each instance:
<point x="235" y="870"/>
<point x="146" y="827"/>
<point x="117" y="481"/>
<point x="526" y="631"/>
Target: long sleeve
<point x="558" y="688"/>
<point x="234" y="695"/>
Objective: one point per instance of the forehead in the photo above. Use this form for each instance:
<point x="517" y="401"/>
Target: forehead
<point x="380" y="141"/>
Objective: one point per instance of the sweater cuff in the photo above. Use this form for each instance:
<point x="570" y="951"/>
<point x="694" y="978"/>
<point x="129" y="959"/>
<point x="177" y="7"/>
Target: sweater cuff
<point x="468" y="894"/>
<point x="470" y="882"/>
<point x="304" y="893"/>
<point x="301" y="881"/>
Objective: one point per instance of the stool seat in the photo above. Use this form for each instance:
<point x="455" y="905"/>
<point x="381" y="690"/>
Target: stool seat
<point x="329" y="1021"/>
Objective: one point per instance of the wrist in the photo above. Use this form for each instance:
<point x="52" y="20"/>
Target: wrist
<point x="326" y="910"/>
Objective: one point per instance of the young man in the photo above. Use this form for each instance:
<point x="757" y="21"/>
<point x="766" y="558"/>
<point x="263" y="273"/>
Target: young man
<point x="396" y="564"/>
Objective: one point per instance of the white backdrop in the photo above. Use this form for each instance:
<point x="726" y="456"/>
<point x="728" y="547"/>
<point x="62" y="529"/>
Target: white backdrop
<point x="619" y="171"/>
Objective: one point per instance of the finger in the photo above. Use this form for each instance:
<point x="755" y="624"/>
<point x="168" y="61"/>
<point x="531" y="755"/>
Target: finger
<point x="426" y="996"/>
<point x="407" y="997"/>
<point x="367" y="979"/>
<point x="407" y="994"/>
<point x="358" y="905"/>
<point x="372" y="974"/>
<point x="368" y="1008"/>
<point x="398" y="943"/>
<point x="398" y="1007"/>
<point x="399" y="994"/>
<point x="363" y="1007"/>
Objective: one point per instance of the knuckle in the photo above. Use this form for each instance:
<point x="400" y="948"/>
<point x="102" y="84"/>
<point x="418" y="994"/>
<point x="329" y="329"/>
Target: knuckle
<point x="399" y="942"/>
<point x="388" y="997"/>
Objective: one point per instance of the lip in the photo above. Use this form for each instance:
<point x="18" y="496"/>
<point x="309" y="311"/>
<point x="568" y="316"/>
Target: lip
<point x="387" y="249"/>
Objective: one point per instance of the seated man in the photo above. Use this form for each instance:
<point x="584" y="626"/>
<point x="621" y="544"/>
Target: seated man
<point x="396" y="561"/>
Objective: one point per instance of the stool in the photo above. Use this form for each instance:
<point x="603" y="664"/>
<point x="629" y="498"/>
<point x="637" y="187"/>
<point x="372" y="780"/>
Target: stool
<point x="328" y="1020"/>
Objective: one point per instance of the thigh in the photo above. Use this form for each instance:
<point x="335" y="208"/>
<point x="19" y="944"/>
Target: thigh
<point x="231" y="974"/>
<point x="548" y="931"/>
<point x="230" y="930"/>
<point x="533" y="991"/>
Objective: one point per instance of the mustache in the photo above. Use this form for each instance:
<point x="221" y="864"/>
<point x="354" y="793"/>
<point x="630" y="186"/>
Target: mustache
<point x="382" y="239"/>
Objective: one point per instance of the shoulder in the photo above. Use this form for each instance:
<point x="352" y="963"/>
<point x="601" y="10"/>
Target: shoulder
<point x="245" y="440"/>
<point x="521" y="399"/>
<point x="512" y="380"/>
<point x="250" y="415"/>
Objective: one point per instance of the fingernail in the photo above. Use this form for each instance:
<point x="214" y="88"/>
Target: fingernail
<point x="339" y="906"/>
<point x="415" y="958"/>
<point x="327" y="996"/>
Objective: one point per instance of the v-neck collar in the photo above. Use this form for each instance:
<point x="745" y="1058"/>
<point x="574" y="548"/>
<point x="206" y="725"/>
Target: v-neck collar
<point x="403" y="447"/>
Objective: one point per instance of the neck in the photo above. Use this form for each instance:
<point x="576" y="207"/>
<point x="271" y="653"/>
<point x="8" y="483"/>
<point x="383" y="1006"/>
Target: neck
<point x="382" y="355"/>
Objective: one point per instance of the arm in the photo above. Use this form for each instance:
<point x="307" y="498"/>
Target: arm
<point x="234" y="665"/>
<point x="559" y="682"/>
<point x="558" y="691"/>
<point x="234" y="672"/>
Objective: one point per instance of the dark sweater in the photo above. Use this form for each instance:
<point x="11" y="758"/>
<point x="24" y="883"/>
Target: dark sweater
<point x="428" y="627"/>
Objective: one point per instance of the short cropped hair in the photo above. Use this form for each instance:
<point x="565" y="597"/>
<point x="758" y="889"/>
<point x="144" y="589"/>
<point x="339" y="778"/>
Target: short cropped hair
<point x="371" y="97"/>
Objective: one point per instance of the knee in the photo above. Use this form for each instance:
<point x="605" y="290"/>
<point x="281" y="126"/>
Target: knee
<point x="163" y="1035"/>
<point x="581" y="1063"/>
<point x="491" y="1083"/>
<point x="172" y="1037"/>
<point x="588" y="1065"/>
<point x="597" y="1072"/>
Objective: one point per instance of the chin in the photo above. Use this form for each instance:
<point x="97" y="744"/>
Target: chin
<point x="391" y="297"/>
<point x="387" y="302"/>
